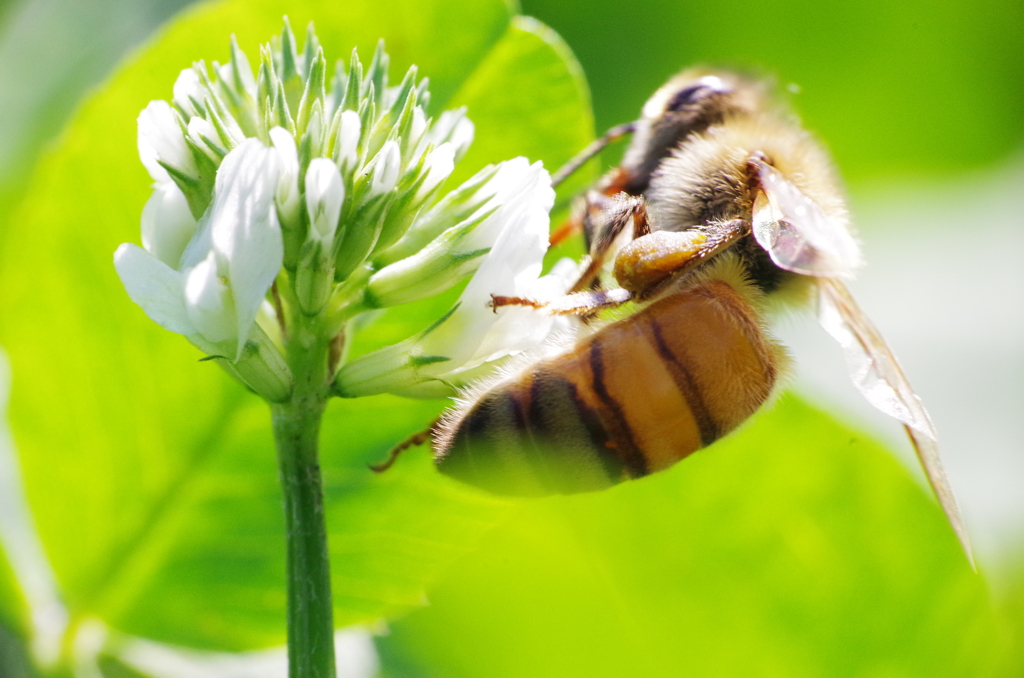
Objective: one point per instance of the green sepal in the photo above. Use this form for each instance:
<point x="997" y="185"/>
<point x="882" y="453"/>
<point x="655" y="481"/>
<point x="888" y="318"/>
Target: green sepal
<point x="314" y="90"/>
<point x="314" y="277"/>
<point x="262" y="368"/>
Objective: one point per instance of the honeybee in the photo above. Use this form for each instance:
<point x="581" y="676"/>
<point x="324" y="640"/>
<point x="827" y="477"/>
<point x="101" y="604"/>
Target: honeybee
<point x="722" y="209"/>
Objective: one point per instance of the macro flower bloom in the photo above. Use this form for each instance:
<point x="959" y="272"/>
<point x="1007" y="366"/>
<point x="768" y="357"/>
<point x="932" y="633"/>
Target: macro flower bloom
<point x="286" y="191"/>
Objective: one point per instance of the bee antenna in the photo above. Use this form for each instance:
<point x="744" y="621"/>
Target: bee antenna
<point x="592" y="149"/>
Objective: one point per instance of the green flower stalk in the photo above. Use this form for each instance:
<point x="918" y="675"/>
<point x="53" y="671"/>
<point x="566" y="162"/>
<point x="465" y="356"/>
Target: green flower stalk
<point x="290" y="200"/>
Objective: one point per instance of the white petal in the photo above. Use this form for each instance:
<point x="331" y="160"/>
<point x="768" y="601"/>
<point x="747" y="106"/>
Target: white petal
<point x="516" y="188"/>
<point x="227" y="74"/>
<point x="419" y="125"/>
<point x="348" y="139"/>
<point x="167" y="224"/>
<point x="453" y="127"/>
<point x="462" y="136"/>
<point x="324" y="196"/>
<point x="155" y="286"/>
<point x="209" y="304"/>
<point x="244" y="228"/>
<point x="287" y="191"/>
<point x="160" y="139"/>
<point x="525" y="190"/>
<point x="438" y="165"/>
<point x="474" y="333"/>
<point x="386" y="165"/>
<point x="517" y="328"/>
<point x="188" y="87"/>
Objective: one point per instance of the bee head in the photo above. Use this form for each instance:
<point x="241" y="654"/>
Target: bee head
<point x="688" y="104"/>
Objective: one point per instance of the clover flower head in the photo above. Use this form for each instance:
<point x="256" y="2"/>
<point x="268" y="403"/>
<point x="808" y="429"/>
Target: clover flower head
<point x="290" y="190"/>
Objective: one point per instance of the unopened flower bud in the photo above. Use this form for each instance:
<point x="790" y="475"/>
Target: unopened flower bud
<point x="462" y="136"/>
<point x="287" y="193"/>
<point x="453" y="127"/>
<point x="162" y="142"/>
<point x="324" y="195"/>
<point x="204" y="135"/>
<point x="315" y="128"/>
<point x="386" y="168"/>
<point x="419" y="125"/>
<point x="347" y="144"/>
<point x="438" y="165"/>
<point x="188" y="91"/>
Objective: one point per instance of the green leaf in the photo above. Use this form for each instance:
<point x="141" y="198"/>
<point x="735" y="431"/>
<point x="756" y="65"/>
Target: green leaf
<point x="14" y="661"/>
<point x="150" y="475"/>
<point x="539" y="108"/>
<point x="794" y="548"/>
<point x="14" y="615"/>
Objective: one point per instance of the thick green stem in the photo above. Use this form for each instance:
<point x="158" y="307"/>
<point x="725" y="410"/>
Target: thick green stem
<point x="297" y="431"/>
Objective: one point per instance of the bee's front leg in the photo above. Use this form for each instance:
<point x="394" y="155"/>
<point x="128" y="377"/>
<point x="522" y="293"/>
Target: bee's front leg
<point x="580" y="303"/>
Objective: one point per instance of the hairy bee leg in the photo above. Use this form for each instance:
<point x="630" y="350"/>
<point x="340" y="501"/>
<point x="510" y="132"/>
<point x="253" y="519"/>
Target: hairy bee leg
<point x="579" y="303"/>
<point x="614" y="215"/>
<point x="592" y="149"/>
<point x="415" y="440"/>
<point x="585" y="211"/>
<point x="652" y="258"/>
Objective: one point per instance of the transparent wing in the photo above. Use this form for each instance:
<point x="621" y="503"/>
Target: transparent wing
<point x="796" y="232"/>
<point x="878" y="377"/>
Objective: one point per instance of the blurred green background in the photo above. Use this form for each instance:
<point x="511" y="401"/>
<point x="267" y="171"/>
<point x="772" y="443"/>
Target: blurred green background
<point x="798" y="547"/>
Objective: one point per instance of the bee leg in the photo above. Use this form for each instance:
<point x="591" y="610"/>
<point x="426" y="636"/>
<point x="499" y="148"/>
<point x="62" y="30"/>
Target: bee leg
<point x="592" y="149"/>
<point x="414" y="440"/>
<point x="585" y="211"/>
<point x="580" y="303"/>
<point x="652" y="258"/>
<point x="606" y="225"/>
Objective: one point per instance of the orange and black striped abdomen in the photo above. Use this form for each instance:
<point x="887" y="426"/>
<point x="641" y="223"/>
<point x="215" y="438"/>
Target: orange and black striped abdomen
<point x="631" y="399"/>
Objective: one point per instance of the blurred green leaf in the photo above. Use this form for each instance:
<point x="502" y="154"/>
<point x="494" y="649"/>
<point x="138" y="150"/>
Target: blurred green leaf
<point x="151" y="476"/>
<point x="12" y="609"/>
<point x="14" y="662"/>
<point x="794" y="548"/>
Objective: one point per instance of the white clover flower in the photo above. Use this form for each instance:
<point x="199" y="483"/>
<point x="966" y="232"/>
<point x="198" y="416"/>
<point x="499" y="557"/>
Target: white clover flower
<point x="285" y="205"/>
<point x="334" y="190"/>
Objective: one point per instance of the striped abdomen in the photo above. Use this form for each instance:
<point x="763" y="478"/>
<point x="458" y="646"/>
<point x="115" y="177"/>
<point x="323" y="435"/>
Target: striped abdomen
<point x="631" y="399"/>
